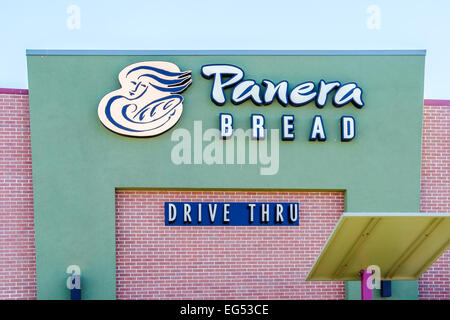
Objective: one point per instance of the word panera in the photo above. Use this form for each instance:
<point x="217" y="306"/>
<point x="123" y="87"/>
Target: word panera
<point x="230" y="213"/>
<point x="228" y="76"/>
<point x="300" y="95"/>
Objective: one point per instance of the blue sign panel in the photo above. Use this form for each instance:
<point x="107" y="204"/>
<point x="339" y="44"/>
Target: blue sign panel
<point x="231" y="214"/>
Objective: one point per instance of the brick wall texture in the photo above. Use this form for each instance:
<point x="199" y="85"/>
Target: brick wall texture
<point x="155" y="261"/>
<point x="17" y="252"/>
<point x="158" y="262"/>
<point x="435" y="192"/>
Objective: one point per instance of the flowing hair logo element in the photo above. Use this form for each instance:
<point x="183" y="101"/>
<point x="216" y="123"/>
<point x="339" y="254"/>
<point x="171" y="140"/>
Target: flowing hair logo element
<point x="149" y="101"/>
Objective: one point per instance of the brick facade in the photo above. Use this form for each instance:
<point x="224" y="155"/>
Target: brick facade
<point x="159" y="262"/>
<point x="154" y="261"/>
<point x="17" y="251"/>
<point x="435" y="192"/>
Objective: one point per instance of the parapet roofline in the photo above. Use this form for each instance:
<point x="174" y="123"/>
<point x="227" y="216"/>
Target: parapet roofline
<point x="44" y="52"/>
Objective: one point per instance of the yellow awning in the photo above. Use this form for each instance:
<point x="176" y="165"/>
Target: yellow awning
<point x="402" y="245"/>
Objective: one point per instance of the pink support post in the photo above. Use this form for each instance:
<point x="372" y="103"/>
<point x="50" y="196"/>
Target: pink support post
<point x="366" y="292"/>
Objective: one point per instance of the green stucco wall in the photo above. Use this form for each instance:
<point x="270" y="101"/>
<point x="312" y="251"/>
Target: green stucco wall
<point x="400" y="290"/>
<point x="78" y="163"/>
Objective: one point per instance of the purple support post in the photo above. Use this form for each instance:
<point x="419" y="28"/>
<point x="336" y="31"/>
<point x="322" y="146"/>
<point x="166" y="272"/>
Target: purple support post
<point x="366" y="292"/>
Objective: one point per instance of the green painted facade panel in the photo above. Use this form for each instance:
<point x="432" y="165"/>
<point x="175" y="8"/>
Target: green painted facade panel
<point x="78" y="163"/>
<point x="400" y="290"/>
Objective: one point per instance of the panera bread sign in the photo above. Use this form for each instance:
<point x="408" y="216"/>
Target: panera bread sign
<point x="149" y="101"/>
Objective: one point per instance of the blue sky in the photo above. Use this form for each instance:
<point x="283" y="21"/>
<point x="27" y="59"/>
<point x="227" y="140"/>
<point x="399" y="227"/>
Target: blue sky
<point x="230" y="25"/>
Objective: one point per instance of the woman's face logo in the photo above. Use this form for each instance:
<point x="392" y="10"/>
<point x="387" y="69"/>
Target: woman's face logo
<point x="137" y="89"/>
<point x="149" y="102"/>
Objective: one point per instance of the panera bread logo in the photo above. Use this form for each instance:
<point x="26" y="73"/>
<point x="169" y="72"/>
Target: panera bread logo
<point x="149" y="101"/>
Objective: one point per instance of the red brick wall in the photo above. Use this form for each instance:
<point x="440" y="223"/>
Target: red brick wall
<point x="435" y="192"/>
<point x="17" y="251"/>
<point x="159" y="262"/>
